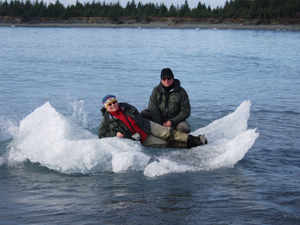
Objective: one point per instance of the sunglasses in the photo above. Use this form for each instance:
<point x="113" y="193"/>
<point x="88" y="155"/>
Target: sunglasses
<point x="111" y="103"/>
<point x="167" y="78"/>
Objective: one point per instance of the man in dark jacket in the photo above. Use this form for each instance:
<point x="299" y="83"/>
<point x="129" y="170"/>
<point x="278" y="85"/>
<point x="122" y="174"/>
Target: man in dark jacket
<point x="169" y="103"/>
<point x="124" y="121"/>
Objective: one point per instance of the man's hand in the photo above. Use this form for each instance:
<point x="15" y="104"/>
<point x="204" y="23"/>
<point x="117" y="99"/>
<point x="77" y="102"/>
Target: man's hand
<point x="167" y="124"/>
<point x="119" y="134"/>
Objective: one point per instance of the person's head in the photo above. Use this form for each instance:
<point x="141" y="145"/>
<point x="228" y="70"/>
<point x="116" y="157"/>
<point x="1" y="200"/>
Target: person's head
<point x="110" y="103"/>
<point x="167" y="77"/>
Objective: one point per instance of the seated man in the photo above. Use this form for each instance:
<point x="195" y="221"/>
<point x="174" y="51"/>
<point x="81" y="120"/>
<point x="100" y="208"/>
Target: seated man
<point x="169" y="104"/>
<point x="124" y="121"/>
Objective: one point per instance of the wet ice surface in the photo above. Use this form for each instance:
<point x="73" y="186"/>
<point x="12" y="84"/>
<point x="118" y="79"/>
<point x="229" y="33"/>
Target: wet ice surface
<point x="51" y="139"/>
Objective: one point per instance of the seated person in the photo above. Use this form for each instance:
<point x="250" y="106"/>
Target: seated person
<point x="169" y="104"/>
<point x="124" y="121"/>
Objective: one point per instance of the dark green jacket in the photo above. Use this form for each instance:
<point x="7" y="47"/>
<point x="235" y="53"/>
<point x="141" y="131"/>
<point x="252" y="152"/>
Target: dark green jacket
<point x="174" y="106"/>
<point x="110" y="126"/>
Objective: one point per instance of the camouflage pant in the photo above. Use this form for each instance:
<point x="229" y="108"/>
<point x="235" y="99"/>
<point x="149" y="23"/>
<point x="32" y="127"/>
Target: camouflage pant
<point x="165" y="137"/>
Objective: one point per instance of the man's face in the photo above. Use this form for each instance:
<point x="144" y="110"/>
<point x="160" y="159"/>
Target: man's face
<point x="167" y="81"/>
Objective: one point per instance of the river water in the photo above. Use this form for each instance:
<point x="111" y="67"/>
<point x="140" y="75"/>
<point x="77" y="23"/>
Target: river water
<point x="244" y="91"/>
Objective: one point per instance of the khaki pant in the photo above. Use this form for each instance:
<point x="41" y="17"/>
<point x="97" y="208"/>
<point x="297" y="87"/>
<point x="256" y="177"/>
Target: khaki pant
<point x="184" y="126"/>
<point x="162" y="137"/>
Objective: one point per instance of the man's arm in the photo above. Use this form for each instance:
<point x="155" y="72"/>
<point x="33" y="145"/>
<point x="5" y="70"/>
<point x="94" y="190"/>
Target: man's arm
<point x="185" y="111"/>
<point x="104" y="131"/>
<point x="154" y="108"/>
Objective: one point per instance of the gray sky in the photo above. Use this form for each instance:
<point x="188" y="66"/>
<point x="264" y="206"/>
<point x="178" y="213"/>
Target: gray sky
<point x="192" y="3"/>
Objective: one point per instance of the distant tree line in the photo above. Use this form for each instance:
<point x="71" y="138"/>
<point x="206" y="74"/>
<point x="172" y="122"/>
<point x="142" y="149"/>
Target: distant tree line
<point x="233" y="9"/>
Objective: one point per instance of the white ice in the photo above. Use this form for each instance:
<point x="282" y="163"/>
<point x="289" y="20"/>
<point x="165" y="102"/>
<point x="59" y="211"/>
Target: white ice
<point x="53" y="140"/>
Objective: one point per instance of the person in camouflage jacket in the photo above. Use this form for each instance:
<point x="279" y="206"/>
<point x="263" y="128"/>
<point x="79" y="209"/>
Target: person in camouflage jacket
<point x="169" y="103"/>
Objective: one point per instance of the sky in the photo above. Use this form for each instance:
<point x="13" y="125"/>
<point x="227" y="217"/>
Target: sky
<point x="192" y="3"/>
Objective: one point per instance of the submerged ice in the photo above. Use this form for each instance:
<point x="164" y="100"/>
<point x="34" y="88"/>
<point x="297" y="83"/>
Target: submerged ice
<point x="54" y="141"/>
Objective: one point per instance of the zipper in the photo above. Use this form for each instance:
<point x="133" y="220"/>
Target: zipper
<point x="167" y="106"/>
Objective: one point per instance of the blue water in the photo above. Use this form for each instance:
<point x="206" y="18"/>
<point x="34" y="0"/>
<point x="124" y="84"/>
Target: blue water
<point x="53" y="169"/>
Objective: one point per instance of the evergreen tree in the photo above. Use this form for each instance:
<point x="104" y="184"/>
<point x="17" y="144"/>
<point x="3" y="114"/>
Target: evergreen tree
<point x="184" y="10"/>
<point x="245" y="9"/>
<point x="172" y="11"/>
<point x="162" y="10"/>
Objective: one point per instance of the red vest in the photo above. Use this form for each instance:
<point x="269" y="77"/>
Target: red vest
<point x="119" y="114"/>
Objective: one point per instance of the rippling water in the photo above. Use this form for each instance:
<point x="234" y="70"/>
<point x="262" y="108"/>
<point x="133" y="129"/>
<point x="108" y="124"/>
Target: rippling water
<point x="73" y="69"/>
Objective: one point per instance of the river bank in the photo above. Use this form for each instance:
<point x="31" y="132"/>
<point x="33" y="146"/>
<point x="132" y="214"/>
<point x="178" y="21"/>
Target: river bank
<point x="165" y="23"/>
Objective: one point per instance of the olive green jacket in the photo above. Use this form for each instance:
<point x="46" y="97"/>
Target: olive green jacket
<point x="111" y="125"/>
<point x="174" y="106"/>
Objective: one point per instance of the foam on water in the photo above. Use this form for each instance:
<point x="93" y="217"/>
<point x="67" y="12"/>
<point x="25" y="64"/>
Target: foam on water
<point x="55" y="141"/>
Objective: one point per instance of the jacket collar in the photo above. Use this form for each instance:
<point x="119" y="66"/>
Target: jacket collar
<point x="176" y="86"/>
<point x="107" y="116"/>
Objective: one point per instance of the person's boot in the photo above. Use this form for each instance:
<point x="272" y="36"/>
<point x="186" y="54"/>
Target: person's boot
<point x="196" y="141"/>
<point x="177" y="144"/>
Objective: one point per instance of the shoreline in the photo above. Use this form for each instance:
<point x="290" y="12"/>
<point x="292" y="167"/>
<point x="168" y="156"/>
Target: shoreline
<point x="153" y="25"/>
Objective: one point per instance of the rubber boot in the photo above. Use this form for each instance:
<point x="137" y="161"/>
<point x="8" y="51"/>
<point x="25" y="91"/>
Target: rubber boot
<point x="196" y="141"/>
<point x="177" y="144"/>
